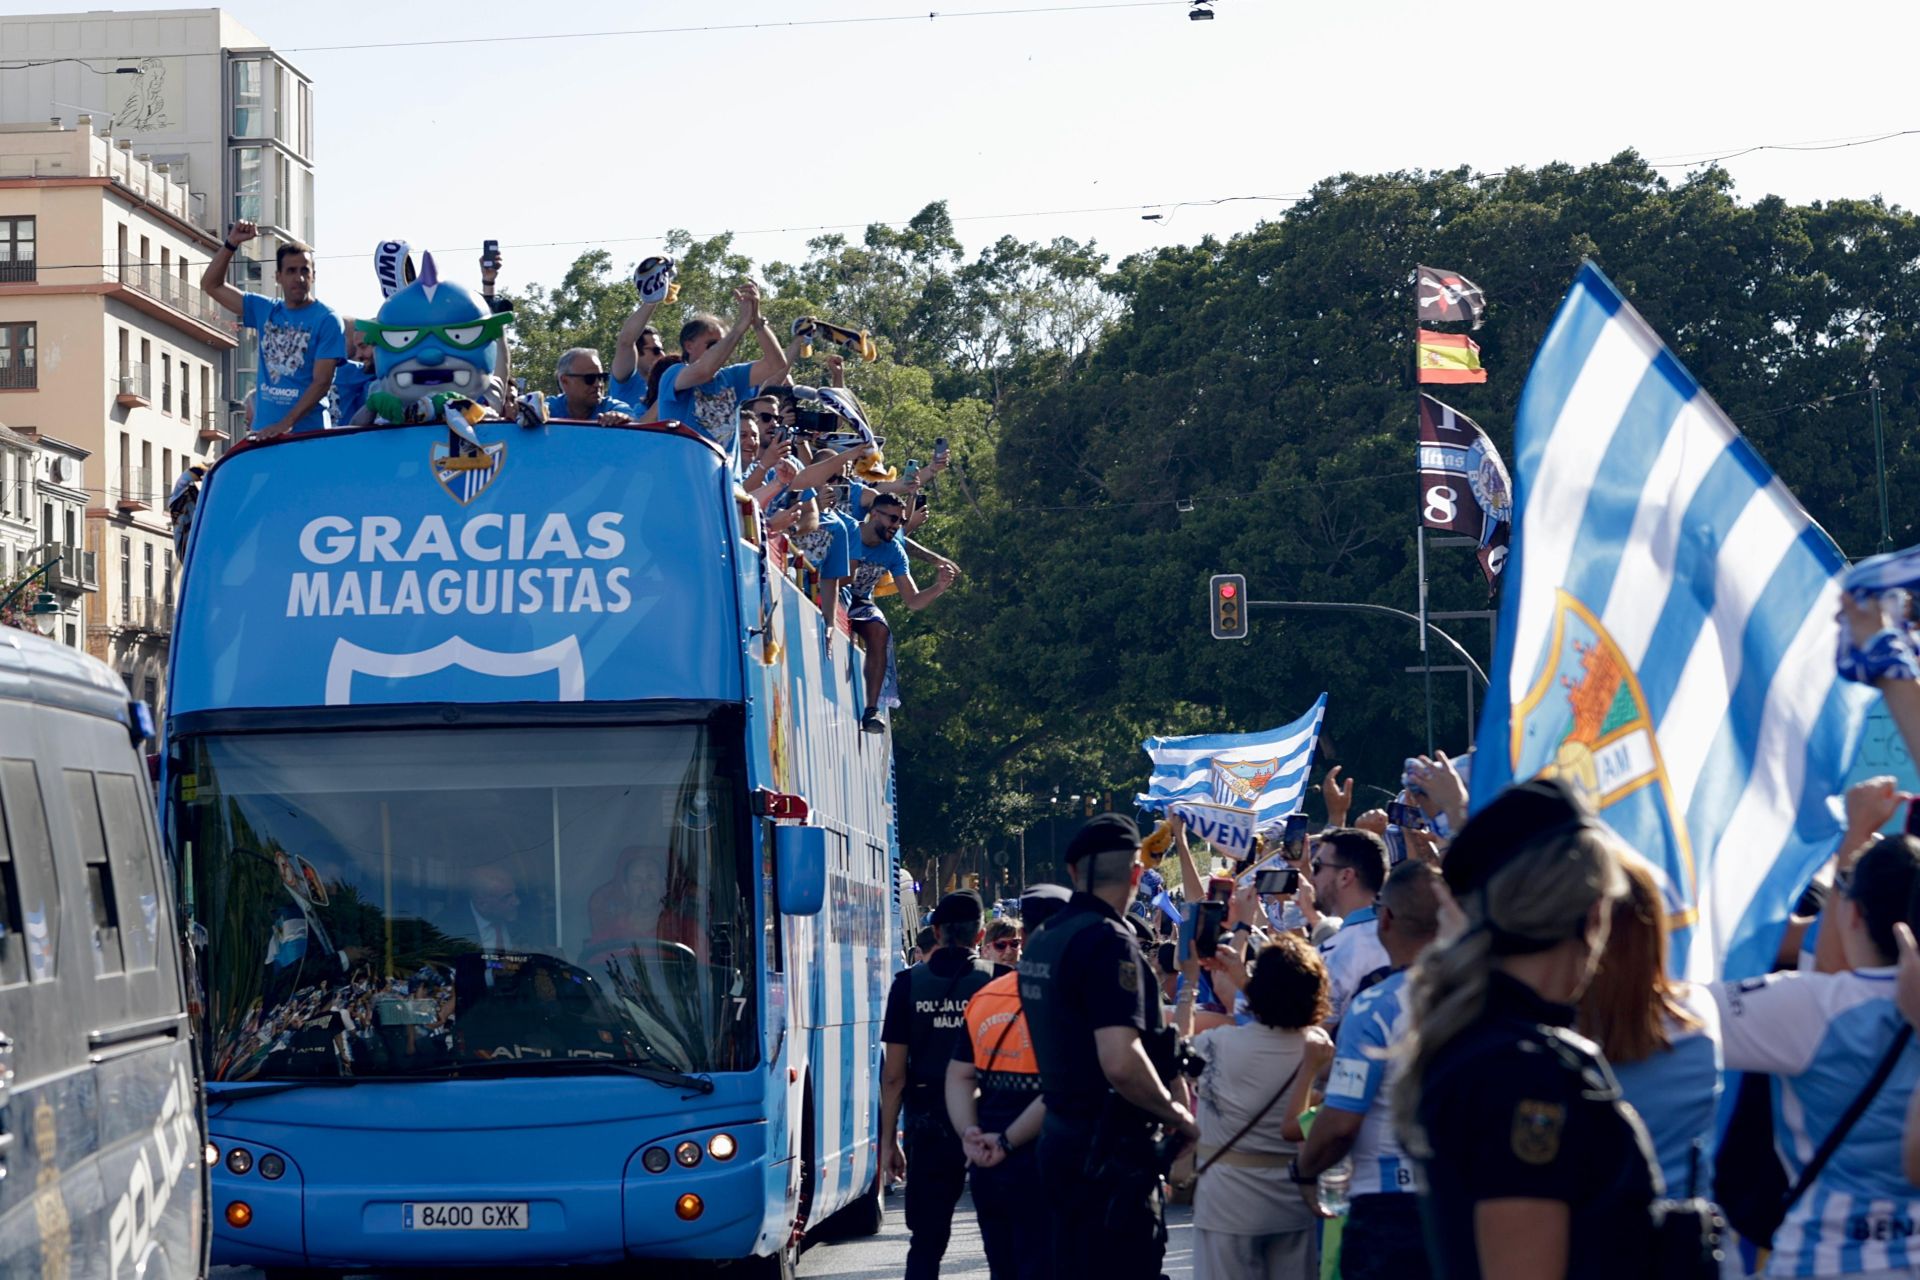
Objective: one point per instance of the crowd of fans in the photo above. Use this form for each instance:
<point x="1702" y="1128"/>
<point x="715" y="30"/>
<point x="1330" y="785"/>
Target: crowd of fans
<point x="1462" y="1052"/>
<point x="828" y="510"/>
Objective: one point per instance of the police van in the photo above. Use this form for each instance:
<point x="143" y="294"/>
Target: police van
<point x="102" y="1133"/>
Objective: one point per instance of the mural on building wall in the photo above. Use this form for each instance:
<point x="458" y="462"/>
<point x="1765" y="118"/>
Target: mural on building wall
<point x="152" y="102"/>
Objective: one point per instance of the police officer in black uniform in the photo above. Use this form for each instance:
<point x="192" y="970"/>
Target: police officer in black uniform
<point x="1529" y="1163"/>
<point x="926" y="1013"/>
<point x="1104" y="1052"/>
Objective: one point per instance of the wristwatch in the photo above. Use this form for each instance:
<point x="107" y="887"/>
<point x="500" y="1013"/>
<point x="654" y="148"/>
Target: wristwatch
<point x="1294" y="1175"/>
<point x="1004" y="1144"/>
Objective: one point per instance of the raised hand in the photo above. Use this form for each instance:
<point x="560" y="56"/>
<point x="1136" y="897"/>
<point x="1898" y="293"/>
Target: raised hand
<point x="748" y="298"/>
<point x="243" y="230"/>
<point x="1339" y="797"/>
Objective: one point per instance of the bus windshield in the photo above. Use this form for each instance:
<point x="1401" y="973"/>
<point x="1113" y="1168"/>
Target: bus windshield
<point x="402" y="902"/>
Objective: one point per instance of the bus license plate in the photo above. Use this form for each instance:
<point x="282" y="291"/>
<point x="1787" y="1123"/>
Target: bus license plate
<point x="477" y="1215"/>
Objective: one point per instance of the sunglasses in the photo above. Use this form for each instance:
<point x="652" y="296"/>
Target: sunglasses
<point x="465" y="337"/>
<point x="595" y="378"/>
<point x="1319" y="864"/>
<point x="1005" y="944"/>
<point x="764" y="417"/>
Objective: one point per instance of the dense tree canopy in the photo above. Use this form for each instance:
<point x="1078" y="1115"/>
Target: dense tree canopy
<point x="1125" y="430"/>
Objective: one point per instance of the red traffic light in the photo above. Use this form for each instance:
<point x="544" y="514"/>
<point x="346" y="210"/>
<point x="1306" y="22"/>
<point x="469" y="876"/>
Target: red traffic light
<point x="1228" y="591"/>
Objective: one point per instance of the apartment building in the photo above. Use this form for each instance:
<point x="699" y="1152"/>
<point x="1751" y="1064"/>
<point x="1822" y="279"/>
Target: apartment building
<point x="196" y="92"/>
<point x="108" y="344"/>
<point x="43" y="511"/>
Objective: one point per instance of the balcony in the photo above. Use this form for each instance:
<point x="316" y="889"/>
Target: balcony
<point x="23" y="376"/>
<point x="163" y="287"/>
<point x="136" y="386"/>
<point x="18" y="271"/>
<point x="136" y="490"/>
<point x="211" y="431"/>
<point x="152" y="614"/>
<point x="74" y="569"/>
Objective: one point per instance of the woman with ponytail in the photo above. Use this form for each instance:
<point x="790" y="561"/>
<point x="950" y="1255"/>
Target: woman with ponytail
<point x="1530" y="1164"/>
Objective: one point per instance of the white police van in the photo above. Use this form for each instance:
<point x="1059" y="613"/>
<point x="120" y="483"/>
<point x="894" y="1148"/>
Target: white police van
<point x="102" y="1130"/>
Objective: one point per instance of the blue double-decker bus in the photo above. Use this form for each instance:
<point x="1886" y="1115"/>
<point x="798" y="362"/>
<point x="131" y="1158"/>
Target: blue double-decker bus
<point x="544" y="883"/>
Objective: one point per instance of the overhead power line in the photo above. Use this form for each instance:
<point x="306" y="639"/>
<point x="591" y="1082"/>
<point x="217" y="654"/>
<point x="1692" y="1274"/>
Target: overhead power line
<point x="790" y="24"/>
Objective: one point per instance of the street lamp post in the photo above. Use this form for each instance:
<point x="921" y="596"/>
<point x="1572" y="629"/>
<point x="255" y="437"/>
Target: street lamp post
<point x="45" y="609"/>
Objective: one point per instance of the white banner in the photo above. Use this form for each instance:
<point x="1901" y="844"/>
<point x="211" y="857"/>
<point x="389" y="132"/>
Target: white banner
<point x="1228" y="830"/>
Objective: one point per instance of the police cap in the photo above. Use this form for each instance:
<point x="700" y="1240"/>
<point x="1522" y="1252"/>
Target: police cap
<point x="961" y="905"/>
<point x="1107" y="833"/>
<point x="1040" y="903"/>
<point x="1518" y="819"/>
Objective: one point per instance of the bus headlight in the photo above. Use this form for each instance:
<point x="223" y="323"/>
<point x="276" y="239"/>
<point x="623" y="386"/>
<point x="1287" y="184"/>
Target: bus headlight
<point x="239" y="1160"/>
<point x="721" y="1146"/>
<point x="272" y="1166"/>
<point x="213" y="1155"/>
<point x="655" y="1160"/>
<point x="688" y="1154"/>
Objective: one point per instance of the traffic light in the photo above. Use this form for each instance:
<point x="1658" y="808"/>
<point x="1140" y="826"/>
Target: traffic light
<point x="1229" y="603"/>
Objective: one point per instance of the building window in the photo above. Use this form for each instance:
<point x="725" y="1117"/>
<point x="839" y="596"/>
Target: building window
<point x="146" y="576"/>
<point x="282" y="185"/>
<point x="17" y="258"/>
<point x="126" y="584"/>
<point x="169" y="566"/>
<point x="19" y="362"/>
<point x="166" y="383"/>
<point x="249" y="184"/>
<point x="46" y="523"/>
<point x="186" y="392"/>
<point x="249" y="99"/>
<point x="306" y="205"/>
<point x="206" y="393"/>
<point x="306" y="126"/>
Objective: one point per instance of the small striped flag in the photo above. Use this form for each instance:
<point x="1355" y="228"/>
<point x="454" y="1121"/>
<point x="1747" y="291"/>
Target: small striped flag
<point x="1666" y="635"/>
<point x="1449" y="357"/>
<point x="1265" y="772"/>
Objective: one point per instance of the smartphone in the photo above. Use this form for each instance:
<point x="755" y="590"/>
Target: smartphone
<point x="1406" y="815"/>
<point x="490" y="254"/>
<point x="1209" y="916"/>
<point x="1396" y="846"/>
<point x="1220" y="889"/>
<point x="1294" y="837"/>
<point x="919" y="501"/>
<point x="1281" y="881"/>
<point x="940" y="449"/>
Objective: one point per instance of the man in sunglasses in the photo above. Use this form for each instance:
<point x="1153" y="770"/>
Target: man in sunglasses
<point x="583" y="391"/>
<point x="873" y="551"/>
<point x="1348" y="867"/>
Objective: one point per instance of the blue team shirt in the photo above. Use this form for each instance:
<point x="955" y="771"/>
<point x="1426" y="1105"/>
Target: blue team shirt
<point x="290" y="341"/>
<point x="633" y="390"/>
<point x="712" y="408"/>
<point x="1677" y="1093"/>
<point x="867" y="565"/>
<point x="350" y="384"/>
<point x="1359" y="1082"/>
<point x="1820" y="1036"/>
<point x="557" y="408"/>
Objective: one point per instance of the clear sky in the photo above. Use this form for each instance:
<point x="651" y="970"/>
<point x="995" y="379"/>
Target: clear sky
<point x="553" y="145"/>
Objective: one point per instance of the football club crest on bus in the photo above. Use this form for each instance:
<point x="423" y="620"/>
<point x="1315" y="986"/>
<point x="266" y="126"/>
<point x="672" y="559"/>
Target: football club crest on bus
<point x="466" y="475"/>
<point x="1242" y="781"/>
<point x="1585" y="720"/>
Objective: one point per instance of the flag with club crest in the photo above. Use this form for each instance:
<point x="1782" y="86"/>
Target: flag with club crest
<point x="1464" y="485"/>
<point x="1265" y="772"/>
<point x="1666" y="635"/>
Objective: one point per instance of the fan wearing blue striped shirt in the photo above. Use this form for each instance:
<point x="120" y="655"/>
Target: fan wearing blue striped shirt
<point x="1821" y="1036"/>
<point x="1382" y="1237"/>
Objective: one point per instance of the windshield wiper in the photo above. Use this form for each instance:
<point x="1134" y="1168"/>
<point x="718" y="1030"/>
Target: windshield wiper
<point x="564" y="1066"/>
<point x="219" y="1091"/>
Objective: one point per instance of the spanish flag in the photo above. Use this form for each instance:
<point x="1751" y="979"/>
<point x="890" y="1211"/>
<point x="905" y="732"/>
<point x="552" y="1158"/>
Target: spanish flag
<point x="1449" y="357"/>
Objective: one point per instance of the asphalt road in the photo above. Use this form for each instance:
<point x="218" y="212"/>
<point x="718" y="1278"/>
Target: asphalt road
<point x="884" y="1256"/>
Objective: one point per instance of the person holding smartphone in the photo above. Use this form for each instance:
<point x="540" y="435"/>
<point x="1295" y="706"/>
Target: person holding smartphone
<point x="1349" y="866"/>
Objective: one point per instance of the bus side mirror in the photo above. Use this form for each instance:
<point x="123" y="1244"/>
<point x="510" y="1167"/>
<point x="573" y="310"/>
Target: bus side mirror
<point x="800" y="869"/>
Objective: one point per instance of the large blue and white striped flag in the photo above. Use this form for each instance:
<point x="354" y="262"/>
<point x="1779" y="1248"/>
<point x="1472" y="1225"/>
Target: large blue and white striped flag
<point x="1666" y="635"/>
<point x="1265" y="772"/>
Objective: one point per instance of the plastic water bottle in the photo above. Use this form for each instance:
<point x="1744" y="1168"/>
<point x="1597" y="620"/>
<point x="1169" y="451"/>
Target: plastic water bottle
<point x="1334" y="1183"/>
